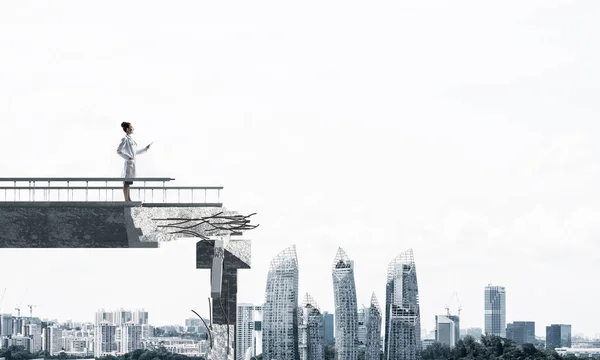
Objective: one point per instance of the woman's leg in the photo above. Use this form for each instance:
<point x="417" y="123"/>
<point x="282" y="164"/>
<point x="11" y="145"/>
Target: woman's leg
<point x="126" y="192"/>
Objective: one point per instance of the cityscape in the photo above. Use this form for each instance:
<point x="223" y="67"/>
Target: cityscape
<point x="289" y="325"/>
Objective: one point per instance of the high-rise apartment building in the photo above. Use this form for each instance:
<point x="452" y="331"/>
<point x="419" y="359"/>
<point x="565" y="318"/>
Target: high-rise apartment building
<point x="346" y="315"/>
<point x="280" y="312"/>
<point x="131" y="337"/>
<point x="6" y="324"/>
<point x="402" y="311"/>
<point x="558" y="336"/>
<point x="105" y="341"/>
<point x="140" y="317"/>
<point x="521" y="332"/>
<point x="249" y="319"/>
<point x="52" y="340"/>
<point x="495" y="310"/>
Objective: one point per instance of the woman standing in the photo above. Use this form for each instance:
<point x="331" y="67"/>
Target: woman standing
<point x="128" y="150"/>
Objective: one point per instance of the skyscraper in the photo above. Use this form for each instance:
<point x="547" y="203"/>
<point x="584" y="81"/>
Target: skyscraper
<point x="280" y="313"/>
<point x="521" y="332"/>
<point x="311" y="342"/>
<point x="495" y="311"/>
<point x="328" y="328"/>
<point x="557" y="336"/>
<point x="373" y="343"/>
<point x="402" y="313"/>
<point x="346" y="316"/>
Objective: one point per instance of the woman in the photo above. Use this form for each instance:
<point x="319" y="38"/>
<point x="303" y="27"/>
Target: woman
<point x="128" y="150"/>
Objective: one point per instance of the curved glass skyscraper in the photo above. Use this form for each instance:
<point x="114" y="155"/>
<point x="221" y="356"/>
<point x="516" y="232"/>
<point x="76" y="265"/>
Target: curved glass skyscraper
<point x="346" y="309"/>
<point x="280" y="312"/>
<point x="402" y="315"/>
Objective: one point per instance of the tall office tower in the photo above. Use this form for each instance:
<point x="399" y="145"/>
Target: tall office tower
<point x="521" y="332"/>
<point x="248" y="316"/>
<point x="105" y="342"/>
<point x="558" y="336"/>
<point x="495" y="310"/>
<point x="373" y="343"/>
<point x="7" y="324"/>
<point x="131" y="337"/>
<point x="140" y="317"/>
<point x="402" y="312"/>
<point x="328" y="328"/>
<point x="103" y="316"/>
<point x="445" y="330"/>
<point x="346" y="310"/>
<point x="280" y="312"/>
<point x="52" y="340"/>
<point x="363" y="313"/>
<point x="121" y="316"/>
<point x="310" y="331"/>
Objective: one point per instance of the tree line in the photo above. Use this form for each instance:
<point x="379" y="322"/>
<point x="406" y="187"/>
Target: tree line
<point x="490" y="347"/>
<point x="20" y="353"/>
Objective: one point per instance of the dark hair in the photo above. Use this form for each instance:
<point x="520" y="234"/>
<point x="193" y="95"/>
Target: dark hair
<point x="125" y="125"/>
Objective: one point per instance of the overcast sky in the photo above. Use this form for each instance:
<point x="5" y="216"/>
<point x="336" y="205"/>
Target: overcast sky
<point x="464" y="130"/>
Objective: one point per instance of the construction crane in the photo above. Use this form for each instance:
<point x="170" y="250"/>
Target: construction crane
<point x="457" y="301"/>
<point x="31" y="310"/>
<point x="3" y="293"/>
<point x="18" y="307"/>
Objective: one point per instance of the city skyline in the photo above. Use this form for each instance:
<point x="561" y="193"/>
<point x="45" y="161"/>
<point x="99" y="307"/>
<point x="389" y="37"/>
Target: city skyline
<point x="471" y="140"/>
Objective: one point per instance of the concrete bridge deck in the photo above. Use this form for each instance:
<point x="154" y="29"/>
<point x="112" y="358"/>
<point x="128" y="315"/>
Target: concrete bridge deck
<point x="42" y="214"/>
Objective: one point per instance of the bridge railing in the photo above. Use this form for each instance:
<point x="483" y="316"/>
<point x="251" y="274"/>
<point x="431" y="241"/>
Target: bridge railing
<point x="104" y="190"/>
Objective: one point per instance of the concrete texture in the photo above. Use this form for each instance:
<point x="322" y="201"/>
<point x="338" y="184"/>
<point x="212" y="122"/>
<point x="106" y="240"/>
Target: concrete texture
<point x="224" y="310"/>
<point x="220" y="346"/>
<point x="68" y="225"/>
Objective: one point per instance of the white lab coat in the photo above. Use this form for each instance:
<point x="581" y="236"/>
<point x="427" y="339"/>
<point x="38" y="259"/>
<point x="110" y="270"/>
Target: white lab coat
<point x="128" y="149"/>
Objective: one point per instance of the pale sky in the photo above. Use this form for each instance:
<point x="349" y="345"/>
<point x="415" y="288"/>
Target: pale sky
<point x="461" y="129"/>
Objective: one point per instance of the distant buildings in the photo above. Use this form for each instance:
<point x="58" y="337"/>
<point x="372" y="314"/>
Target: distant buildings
<point x="402" y="314"/>
<point x="328" y="328"/>
<point x="475" y="333"/>
<point x="119" y="332"/>
<point x="280" y="312"/>
<point x="521" y="332"/>
<point x="558" y="336"/>
<point x="495" y="310"/>
<point x="346" y="316"/>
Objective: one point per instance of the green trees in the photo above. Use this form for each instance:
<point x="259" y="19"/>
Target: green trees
<point x="19" y="353"/>
<point x="490" y="348"/>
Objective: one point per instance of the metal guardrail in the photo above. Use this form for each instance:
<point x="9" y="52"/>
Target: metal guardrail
<point x="49" y="190"/>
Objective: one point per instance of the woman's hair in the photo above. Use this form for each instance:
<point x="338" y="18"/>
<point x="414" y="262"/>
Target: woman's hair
<point x="125" y="126"/>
